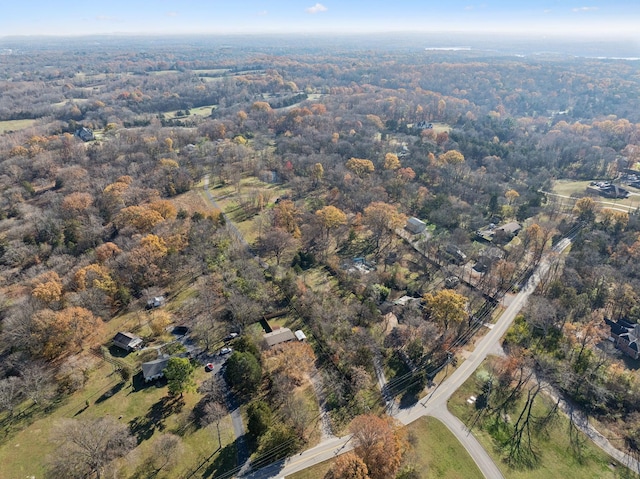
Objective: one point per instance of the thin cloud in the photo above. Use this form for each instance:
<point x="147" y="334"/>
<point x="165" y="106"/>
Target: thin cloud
<point x="317" y="8"/>
<point x="107" y="18"/>
<point x="263" y="13"/>
<point x="172" y="14"/>
<point x="584" y="9"/>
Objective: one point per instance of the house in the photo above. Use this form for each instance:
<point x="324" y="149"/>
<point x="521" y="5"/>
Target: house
<point x="300" y="336"/>
<point x="155" y="302"/>
<point x="626" y="336"/>
<point x="85" y="134"/>
<point x="508" y="231"/>
<point x="127" y="341"/>
<point x="454" y="254"/>
<point x="154" y="369"/>
<point x="415" y="226"/>
<point x="281" y="335"/>
<point x="423" y="125"/>
<point x="487" y="258"/>
<point x="607" y="189"/>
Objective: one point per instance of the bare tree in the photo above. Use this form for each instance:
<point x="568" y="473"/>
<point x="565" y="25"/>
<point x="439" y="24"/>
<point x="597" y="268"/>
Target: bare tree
<point x="87" y="447"/>
<point x="10" y="393"/>
<point x="167" y="450"/>
<point x="37" y="382"/>
<point x="214" y="411"/>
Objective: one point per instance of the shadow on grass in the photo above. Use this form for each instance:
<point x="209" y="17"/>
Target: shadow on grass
<point x="24" y="417"/>
<point x="138" y="383"/>
<point x="145" y="470"/>
<point x="143" y="427"/>
<point x="117" y="352"/>
<point x="110" y="392"/>
<point x="223" y="465"/>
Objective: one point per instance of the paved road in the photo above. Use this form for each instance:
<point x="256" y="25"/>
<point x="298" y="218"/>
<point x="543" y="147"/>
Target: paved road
<point x="435" y="402"/>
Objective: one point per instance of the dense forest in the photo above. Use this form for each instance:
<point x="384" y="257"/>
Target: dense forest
<point x="316" y="157"/>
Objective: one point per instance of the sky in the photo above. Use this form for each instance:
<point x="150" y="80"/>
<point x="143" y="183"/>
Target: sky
<point x="598" y="18"/>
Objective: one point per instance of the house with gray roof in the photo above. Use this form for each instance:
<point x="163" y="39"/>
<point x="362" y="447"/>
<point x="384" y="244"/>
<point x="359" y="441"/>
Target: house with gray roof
<point x="153" y="370"/>
<point x="127" y="341"/>
<point x="279" y="336"/>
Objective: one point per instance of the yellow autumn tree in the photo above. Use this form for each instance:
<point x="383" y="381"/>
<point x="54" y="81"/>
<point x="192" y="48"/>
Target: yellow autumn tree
<point x="286" y="217"/>
<point x="391" y="161"/>
<point x="446" y="307"/>
<point x="451" y="157"/>
<point x="360" y="167"/>
<point x="140" y="218"/>
<point x="331" y="218"/>
<point x="382" y="219"/>
<point x="48" y="287"/>
<point x="95" y="276"/>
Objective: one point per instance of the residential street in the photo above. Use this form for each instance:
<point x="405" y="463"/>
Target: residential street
<point x="435" y="402"/>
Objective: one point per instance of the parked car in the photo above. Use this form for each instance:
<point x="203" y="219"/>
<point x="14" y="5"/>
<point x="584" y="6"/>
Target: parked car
<point x="225" y="351"/>
<point x="230" y="337"/>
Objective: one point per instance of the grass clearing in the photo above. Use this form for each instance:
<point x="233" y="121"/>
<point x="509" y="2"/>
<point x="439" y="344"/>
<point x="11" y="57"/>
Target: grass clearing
<point x="145" y="409"/>
<point x="230" y="200"/>
<point x="558" y="457"/>
<point x="200" y="111"/>
<point x="568" y="188"/>
<point x="15" y="125"/>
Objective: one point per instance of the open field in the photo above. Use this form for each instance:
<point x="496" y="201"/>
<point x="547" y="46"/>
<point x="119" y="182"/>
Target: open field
<point x="200" y="111"/>
<point x="568" y="188"/>
<point x="229" y="199"/>
<point x="70" y="101"/>
<point x="213" y="71"/>
<point x="434" y="453"/>
<point x="441" y="127"/>
<point x="15" y="125"/>
<point x="558" y="456"/>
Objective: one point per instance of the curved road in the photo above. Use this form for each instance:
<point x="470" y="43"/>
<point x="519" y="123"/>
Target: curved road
<point x="435" y="403"/>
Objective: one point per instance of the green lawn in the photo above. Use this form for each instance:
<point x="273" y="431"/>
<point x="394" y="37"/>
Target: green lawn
<point x="25" y="445"/>
<point x="15" y="125"/>
<point x="558" y="458"/>
<point x="434" y="452"/>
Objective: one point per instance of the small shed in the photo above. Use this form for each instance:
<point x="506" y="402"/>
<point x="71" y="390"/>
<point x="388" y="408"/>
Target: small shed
<point x="278" y="336"/>
<point x="154" y="369"/>
<point x="155" y="302"/>
<point x="127" y="341"/>
<point x="415" y="226"/>
<point x="300" y="336"/>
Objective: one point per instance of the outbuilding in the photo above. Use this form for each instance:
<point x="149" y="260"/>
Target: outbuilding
<point x="127" y="341"/>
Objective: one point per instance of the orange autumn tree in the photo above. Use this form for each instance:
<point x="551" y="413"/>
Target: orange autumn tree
<point x="58" y="332"/>
<point x="379" y="443"/>
<point x="48" y="287"/>
<point x="348" y="466"/>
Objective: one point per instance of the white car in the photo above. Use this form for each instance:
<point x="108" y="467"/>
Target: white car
<point x="225" y="351"/>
